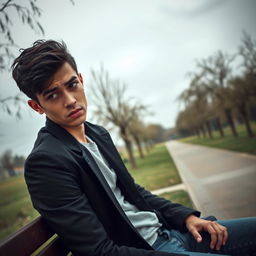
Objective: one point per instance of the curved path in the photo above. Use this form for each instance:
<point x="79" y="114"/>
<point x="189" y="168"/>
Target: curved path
<point x="220" y="182"/>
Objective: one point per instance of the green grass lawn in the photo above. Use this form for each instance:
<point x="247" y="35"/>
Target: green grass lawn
<point x="16" y="208"/>
<point x="180" y="196"/>
<point x="241" y="144"/>
<point x="155" y="171"/>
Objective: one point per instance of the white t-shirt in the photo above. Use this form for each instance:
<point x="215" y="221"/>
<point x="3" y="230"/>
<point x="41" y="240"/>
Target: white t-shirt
<point x="145" y="222"/>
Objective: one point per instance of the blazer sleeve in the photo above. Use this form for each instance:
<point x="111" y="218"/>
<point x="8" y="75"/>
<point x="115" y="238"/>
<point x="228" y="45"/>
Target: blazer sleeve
<point x="54" y="188"/>
<point x="173" y="213"/>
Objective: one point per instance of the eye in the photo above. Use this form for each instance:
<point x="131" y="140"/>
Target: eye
<point x="73" y="84"/>
<point x="52" y="96"/>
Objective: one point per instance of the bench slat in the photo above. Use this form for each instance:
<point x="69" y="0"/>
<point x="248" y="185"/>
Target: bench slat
<point x="26" y="240"/>
<point x="54" y="248"/>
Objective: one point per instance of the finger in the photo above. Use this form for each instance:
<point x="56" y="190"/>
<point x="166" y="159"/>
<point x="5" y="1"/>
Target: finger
<point x="213" y="235"/>
<point x="220" y="235"/>
<point x="225" y="234"/>
<point x="224" y="231"/>
<point x="196" y="235"/>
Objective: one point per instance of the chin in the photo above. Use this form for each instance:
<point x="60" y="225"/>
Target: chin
<point x="84" y="118"/>
<point x="80" y="120"/>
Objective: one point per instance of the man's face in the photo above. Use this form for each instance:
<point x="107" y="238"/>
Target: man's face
<point x="63" y="101"/>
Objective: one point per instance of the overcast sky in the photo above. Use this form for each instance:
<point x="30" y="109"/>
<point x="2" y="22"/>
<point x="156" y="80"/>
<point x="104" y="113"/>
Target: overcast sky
<point x="149" y="44"/>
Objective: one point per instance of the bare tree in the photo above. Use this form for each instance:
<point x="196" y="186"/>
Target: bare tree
<point x="243" y="87"/>
<point x="188" y="123"/>
<point x="111" y="105"/>
<point x="240" y="93"/>
<point x="247" y="51"/>
<point x="7" y="160"/>
<point x="153" y="133"/>
<point x="217" y="70"/>
<point x="29" y="13"/>
<point x="14" y="107"/>
<point x="18" y="161"/>
<point x="196" y="99"/>
<point x="136" y="129"/>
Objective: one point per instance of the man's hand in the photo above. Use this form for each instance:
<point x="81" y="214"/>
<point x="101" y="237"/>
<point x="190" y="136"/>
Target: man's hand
<point x="218" y="233"/>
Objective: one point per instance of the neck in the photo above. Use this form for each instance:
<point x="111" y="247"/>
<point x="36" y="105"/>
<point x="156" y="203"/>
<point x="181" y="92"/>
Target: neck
<point x="77" y="132"/>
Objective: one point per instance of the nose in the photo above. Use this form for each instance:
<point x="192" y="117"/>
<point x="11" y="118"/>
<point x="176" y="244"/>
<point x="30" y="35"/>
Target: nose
<point x="69" y="99"/>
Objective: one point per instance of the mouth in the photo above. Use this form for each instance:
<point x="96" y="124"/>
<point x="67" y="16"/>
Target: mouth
<point x="75" y="113"/>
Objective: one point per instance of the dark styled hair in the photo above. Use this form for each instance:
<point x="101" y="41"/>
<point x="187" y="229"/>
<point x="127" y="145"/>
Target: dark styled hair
<point x="37" y="64"/>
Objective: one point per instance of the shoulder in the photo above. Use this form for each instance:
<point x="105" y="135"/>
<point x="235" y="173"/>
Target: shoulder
<point x="50" y="166"/>
<point x="47" y="145"/>
<point x="44" y="141"/>
<point x="49" y="150"/>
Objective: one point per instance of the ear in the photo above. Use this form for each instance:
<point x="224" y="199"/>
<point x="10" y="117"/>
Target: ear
<point x="81" y="78"/>
<point x="35" y="106"/>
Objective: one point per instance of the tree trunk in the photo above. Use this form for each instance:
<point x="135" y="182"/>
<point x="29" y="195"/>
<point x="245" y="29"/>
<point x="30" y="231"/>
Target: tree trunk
<point x="198" y="133"/>
<point x="231" y="122"/>
<point x="209" y="129"/>
<point x="203" y="131"/>
<point x="219" y="125"/>
<point x="244" y="115"/>
<point x="138" y="144"/>
<point x="146" y="146"/>
<point x="128" y="146"/>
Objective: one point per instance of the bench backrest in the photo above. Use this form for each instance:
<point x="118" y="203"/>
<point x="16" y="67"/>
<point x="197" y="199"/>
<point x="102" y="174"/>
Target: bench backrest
<point x="34" y="237"/>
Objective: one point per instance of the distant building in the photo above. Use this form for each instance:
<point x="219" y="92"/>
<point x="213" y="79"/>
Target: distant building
<point x="19" y="170"/>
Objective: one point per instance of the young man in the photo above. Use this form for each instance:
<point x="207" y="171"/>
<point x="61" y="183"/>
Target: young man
<point x="79" y="184"/>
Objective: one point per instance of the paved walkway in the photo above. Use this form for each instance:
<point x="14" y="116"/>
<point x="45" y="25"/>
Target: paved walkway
<point x="220" y="182"/>
<point x="169" y="189"/>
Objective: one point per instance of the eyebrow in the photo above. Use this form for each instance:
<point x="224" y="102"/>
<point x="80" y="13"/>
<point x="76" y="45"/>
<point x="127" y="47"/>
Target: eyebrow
<point x="49" y="91"/>
<point x="55" y="88"/>
<point x="70" y="80"/>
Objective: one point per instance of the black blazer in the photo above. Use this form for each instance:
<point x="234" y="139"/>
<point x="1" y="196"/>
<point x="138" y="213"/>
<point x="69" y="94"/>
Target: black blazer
<point x="70" y="192"/>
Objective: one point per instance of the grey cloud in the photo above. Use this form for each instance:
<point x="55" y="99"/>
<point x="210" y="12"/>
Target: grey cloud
<point x="202" y="9"/>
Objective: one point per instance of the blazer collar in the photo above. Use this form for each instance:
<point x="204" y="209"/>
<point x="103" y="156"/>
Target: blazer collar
<point x="93" y="131"/>
<point x="61" y="134"/>
<point x="96" y="133"/>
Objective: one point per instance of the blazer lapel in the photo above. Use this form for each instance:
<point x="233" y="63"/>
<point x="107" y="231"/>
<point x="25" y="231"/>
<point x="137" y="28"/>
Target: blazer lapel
<point x="109" y="151"/>
<point x="64" y="136"/>
<point x="77" y="147"/>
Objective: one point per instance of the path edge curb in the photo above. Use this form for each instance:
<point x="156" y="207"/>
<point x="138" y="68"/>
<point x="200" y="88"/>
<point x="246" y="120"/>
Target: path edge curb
<point x="190" y="191"/>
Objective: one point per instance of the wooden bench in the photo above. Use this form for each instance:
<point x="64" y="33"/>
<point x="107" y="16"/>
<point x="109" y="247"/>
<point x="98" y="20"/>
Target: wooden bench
<point x="35" y="238"/>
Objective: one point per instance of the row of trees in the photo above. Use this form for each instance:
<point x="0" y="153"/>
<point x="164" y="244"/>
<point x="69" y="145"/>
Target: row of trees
<point x="216" y="96"/>
<point x="112" y="106"/>
<point x="8" y="163"/>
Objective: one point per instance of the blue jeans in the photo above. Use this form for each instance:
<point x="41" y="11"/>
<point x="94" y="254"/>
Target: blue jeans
<point x="241" y="240"/>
